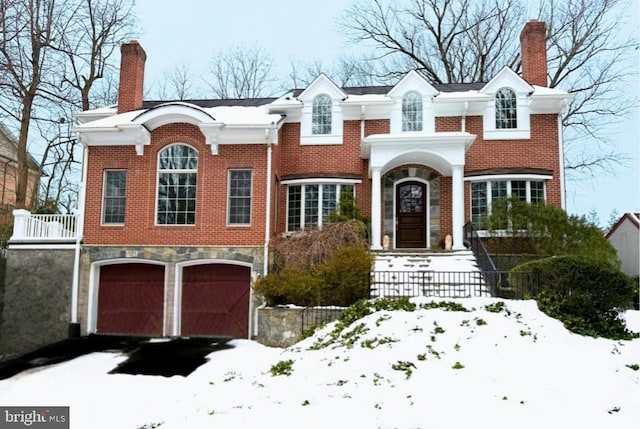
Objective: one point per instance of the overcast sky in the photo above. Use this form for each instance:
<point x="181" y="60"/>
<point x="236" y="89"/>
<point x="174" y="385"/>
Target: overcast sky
<point x="190" y="31"/>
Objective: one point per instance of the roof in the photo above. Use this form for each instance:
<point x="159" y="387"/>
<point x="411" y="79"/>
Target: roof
<point x="9" y="141"/>
<point x="634" y="218"/>
<point x="384" y="89"/>
<point x="204" y="103"/>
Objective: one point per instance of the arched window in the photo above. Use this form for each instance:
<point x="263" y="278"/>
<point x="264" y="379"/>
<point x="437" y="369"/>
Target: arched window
<point x="506" y="109"/>
<point x="177" y="178"/>
<point x="412" y="112"/>
<point x="321" y="115"/>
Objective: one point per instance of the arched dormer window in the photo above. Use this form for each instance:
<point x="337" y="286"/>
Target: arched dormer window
<point x="177" y="179"/>
<point x="412" y="112"/>
<point x="321" y="115"/>
<point x="506" y="109"/>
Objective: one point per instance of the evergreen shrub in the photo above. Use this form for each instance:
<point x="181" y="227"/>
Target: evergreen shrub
<point x="587" y="295"/>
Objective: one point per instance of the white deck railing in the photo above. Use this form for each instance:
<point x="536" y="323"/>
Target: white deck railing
<point x="43" y="227"/>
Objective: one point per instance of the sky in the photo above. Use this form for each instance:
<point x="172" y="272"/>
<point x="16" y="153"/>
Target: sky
<point x="426" y="369"/>
<point x="306" y="31"/>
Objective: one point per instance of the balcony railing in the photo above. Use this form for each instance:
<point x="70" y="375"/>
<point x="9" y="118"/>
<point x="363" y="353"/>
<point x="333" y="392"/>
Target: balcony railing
<point x="42" y="228"/>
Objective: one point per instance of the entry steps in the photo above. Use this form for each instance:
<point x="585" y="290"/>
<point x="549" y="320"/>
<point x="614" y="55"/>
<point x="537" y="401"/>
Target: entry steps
<point x="419" y="273"/>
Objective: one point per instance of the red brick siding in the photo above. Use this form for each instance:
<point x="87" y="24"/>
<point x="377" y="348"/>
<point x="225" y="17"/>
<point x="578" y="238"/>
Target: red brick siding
<point x="211" y="206"/>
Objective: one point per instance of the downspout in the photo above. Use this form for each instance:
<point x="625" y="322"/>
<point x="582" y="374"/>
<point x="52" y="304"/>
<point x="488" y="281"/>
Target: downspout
<point x="464" y="117"/>
<point x="74" y="326"/>
<point x="267" y="222"/>
<point x="362" y="109"/>
<point x="563" y="191"/>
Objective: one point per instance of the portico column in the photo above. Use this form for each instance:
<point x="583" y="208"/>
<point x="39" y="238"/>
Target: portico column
<point x="375" y="209"/>
<point x="457" y="206"/>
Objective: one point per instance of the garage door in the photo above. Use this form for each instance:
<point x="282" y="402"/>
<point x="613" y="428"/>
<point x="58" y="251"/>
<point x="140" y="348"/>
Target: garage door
<point x="130" y="299"/>
<point x="215" y="300"/>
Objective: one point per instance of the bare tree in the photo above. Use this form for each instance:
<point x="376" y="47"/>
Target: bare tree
<point x="52" y="55"/>
<point x="90" y="35"/>
<point x="469" y="41"/>
<point x="26" y="36"/>
<point x="346" y="71"/>
<point x="241" y="72"/>
<point x="178" y="83"/>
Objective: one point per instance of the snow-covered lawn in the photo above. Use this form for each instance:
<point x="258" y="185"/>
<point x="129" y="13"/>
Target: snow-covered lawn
<point x="392" y="369"/>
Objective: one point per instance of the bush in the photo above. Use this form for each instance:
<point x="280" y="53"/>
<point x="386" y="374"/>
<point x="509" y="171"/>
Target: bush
<point x="549" y="231"/>
<point x="289" y="286"/>
<point x="585" y="294"/>
<point x="345" y="277"/>
<point x="341" y="280"/>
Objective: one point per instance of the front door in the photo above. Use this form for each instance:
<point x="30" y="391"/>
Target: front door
<point x="411" y="215"/>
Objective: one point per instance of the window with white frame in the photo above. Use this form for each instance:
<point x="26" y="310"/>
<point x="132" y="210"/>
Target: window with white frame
<point x="239" y="206"/>
<point x="177" y="179"/>
<point x="114" y="196"/>
<point x="321" y="115"/>
<point x="310" y="204"/>
<point x="412" y="112"/>
<point x="506" y="109"/>
<point x="484" y="193"/>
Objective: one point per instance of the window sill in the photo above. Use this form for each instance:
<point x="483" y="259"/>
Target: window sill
<point x="329" y="139"/>
<point x="507" y="134"/>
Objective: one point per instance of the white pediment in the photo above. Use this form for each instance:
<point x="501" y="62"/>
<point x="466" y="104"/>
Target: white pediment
<point x="322" y="85"/>
<point x="412" y="81"/>
<point x="507" y="78"/>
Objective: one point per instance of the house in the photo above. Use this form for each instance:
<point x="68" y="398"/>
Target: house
<point x="9" y="169"/>
<point x="624" y="236"/>
<point x="180" y="199"/>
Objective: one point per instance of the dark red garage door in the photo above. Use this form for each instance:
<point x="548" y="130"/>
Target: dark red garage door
<point x="131" y="299"/>
<point x="215" y="300"/>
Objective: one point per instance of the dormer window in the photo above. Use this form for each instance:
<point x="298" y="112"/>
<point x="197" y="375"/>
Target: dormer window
<point x="321" y="115"/>
<point x="412" y="112"/>
<point x="506" y="109"/>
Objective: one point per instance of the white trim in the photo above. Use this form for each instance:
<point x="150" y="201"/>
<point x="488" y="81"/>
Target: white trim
<point x="104" y="188"/>
<point x="427" y="209"/>
<point x="94" y="285"/>
<point x="177" y="289"/>
<point x="320" y="185"/>
<point x="234" y="225"/>
<point x="195" y="214"/>
<point x="321" y="181"/>
<point x="515" y="176"/>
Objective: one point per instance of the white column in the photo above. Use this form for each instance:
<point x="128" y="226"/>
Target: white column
<point x="375" y="209"/>
<point x="20" y="218"/>
<point x="457" y="208"/>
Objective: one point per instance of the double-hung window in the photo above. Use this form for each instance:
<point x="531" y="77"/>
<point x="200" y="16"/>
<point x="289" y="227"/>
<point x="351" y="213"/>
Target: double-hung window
<point x="114" y="197"/>
<point x="309" y="205"/>
<point x="177" y="184"/>
<point x="239" y="206"/>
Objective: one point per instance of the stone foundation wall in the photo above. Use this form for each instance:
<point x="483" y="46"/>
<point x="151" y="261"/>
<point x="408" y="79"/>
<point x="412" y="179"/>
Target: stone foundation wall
<point x="37" y="298"/>
<point x="282" y="327"/>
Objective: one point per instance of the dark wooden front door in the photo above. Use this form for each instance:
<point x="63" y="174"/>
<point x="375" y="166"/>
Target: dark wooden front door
<point x="411" y="215"/>
<point x="215" y="300"/>
<point x="131" y="299"/>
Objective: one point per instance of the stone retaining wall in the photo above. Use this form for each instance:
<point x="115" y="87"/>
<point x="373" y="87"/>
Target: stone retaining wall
<point x="37" y="298"/>
<point x="282" y="327"/>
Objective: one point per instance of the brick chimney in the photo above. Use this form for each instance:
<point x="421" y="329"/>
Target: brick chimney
<point x="533" y="41"/>
<point x="131" y="85"/>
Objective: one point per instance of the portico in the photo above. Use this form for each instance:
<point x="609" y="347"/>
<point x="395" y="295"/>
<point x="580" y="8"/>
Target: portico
<point x="442" y="152"/>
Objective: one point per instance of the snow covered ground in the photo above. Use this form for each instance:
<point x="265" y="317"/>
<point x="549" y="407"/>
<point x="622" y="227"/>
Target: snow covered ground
<point x="392" y="369"/>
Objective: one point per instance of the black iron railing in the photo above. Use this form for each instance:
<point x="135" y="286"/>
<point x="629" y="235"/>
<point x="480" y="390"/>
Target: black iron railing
<point x="450" y="284"/>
